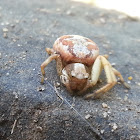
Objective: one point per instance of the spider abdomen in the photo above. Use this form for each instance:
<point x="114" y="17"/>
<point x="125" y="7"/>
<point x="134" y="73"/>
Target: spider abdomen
<point x="76" y="49"/>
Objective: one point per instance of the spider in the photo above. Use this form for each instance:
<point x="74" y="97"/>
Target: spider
<point x="79" y="65"/>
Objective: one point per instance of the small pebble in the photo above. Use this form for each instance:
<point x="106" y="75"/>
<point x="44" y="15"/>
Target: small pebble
<point x="114" y="127"/>
<point x="87" y="116"/>
<point x="7" y="23"/>
<point x="126" y="91"/>
<point x="58" y="9"/>
<point x="110" y="53"/>
<point x="7" y="74"/>
<point x="129" y="82"/>
<point x="57" y="84"/>
<point x="66" y="118"/>
<point x="12" y="25"/>
<point x="138" y="84"/>
<point x="35" y="20"/>
<point x="126" y="109"/>
<point x="102" y="131"/>
<point x="119" y="83"/>
<point x="104" y="105"/>
<point x="17" y="21"/>
<point x="14" y="40"/>
<point x="102" y="20"/>
<point x="68" y="12"/>
<point x="5" y="35"/>
<point x="0" y="55"/>
<point x="43" y="10"/>
<point x="2" y="23"/>
<point x="113" y="64"/>
<point x="16" y="95"/>
<point x="125" y="98"/>
<point x="121" y="16"/>
<point x="5" y="30"/>
<point x="109" y="112"/>
<point x="130" y="78"/>
<point x="132" y="137"/>
<point x="35" y="120"/>
<point x="134" y="127"/>
<point x="105" y="114"/>
<point x="39" y="128"/>
<point x="19" y="45"/>
<point x="41" y="88"/>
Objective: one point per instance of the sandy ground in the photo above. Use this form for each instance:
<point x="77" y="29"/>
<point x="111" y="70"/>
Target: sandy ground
<point x="30" y="111"/>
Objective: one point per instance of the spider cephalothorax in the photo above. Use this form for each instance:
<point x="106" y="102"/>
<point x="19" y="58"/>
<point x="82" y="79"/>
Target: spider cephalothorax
<point x="79" y="65"/>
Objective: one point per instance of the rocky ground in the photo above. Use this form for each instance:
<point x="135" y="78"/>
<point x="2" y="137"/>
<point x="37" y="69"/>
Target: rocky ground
<point x="31" y="111"/>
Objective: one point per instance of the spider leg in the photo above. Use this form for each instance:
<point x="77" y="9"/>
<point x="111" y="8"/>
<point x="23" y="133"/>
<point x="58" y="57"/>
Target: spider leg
<point x="59" y="65"/>
<point x="45" y="63"/>
<point x="106" y="56"/>
<point x="114" y="80"/>
<point x="49" y="51"/>
<point x="117" y="73"/>
<point x="95" y="73"/>
<point x="111" y="78"/>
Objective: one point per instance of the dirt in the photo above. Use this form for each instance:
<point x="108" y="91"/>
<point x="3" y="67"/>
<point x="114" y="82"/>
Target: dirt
<point x="31" y="111"/>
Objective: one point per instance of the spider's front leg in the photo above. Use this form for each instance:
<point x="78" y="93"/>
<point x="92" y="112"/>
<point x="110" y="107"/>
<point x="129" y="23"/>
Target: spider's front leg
<point x="59" y="65"/>
<point x="102" y="62"/>
<point x="95" y="73"/>
<point x="117" y="73"/>
<point x="45" y="63"/>
<point x="49" y="51"/>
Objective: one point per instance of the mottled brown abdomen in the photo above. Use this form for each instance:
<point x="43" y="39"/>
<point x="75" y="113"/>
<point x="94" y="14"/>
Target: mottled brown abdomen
<point x="75" y="48"/>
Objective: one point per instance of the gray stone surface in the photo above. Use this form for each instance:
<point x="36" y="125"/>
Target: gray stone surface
<point x="26" y="112"/>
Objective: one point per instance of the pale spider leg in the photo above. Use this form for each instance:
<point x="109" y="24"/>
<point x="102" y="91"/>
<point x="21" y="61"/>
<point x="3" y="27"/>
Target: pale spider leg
<point x="59" y="65"/>
<point x="117" y="73"/>
<point x="114" y="79"/>
<point x="49" y="51"/>
<point x="95" y="71"/>
<point x="106" y="56"/>
<point x="111" y="80"/>
<point x="45" y="63"/>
